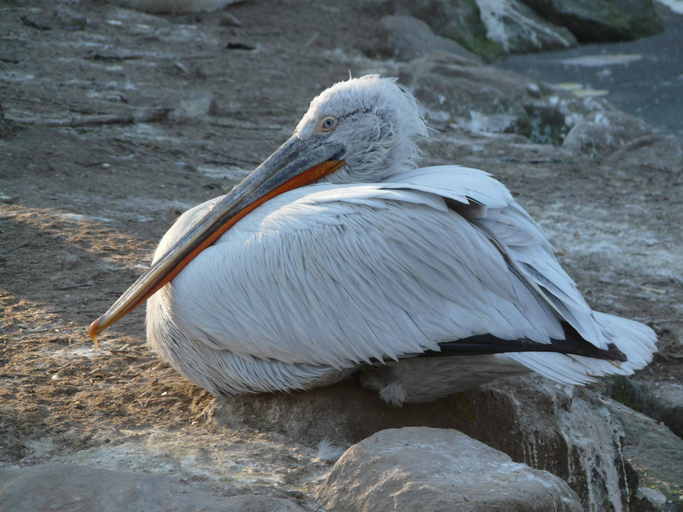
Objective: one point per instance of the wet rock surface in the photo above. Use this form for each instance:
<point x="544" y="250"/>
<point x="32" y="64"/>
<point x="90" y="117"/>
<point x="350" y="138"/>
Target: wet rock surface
<point x="116" y="120"/>
<point x="436" y="469"/>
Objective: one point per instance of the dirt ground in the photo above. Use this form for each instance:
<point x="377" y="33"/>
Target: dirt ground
<point x="83" y="199"/>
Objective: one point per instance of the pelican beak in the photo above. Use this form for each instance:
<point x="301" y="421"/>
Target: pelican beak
<point x="296" y="163"/>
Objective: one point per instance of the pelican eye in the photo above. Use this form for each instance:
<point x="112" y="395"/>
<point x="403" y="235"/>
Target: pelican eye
<point x="327" y="124"/>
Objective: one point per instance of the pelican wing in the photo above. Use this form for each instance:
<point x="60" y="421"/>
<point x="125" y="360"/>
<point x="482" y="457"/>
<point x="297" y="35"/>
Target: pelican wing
<point x="488" y="204"/>
<point x="338" y="275"/>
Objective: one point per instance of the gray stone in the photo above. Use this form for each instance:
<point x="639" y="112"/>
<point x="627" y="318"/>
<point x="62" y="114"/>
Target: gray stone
<point x="665" y="401"/>
<point x="71" y="488"/>
<point x="567" y="431"/>
<point x="458" y="20"/>
<point x="601" y="20"/>
<point x="604" y="132"/>
<point x="489" y="100"/>
<point x="650" y="152"/>
<point x="406" y="38"/>
<point x="518" y="29"/>
<point x="650" y="500"/>
<point x="436" y="470"/>
<point x="652" y="449"/>
<point x="659" y="399"/>
<point x="451" y="88"/>
<point x="175" y="6"/>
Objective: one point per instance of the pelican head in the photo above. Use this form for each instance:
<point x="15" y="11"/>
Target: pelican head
<point x="375" y="121"/>
<point x="359" y="130"/>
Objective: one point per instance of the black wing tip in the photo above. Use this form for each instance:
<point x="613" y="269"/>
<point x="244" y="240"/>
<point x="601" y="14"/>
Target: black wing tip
<point x="486" y="344"/>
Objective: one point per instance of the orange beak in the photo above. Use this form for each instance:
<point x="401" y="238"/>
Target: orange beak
<point x="279" y="173"/>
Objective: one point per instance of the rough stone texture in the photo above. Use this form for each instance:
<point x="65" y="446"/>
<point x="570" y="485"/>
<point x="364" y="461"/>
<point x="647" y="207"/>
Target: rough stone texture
<point x="566" y="431"/>
<point x="175" y="6"/>
<point x="602" y="133"/>
<point x="406" y="38"/>
<point x="660" y="399"/>
<point x="457" y="20"/>
<point x="665" y="402"/>
<point x="484" y="99"/>
<point x="434" y="470"/>
<point x="601" y="20"/>
<point x="650" y="152"/>
<point x="652" y="450"/>
<point x="518" y="29"/>
<point x="71" y="488"/>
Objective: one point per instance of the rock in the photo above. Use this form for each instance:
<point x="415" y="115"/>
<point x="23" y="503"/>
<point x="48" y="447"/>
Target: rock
<point x="193" y="107"/>
<point x="435" y="470"/>
<point x="484" y="99"/>
<point x="518" y="29"/>
<point x="451" y="88"/>
<point x="650" y="500"/>
<point x="601" y="133"/>
<point x="544" y="425"/>
<point x="601" y="20"/>
<point x="175" y="6"/>
<point x="652" y="449"/>
<point x="50" y="487"/>
<point x="664" y="401"/>
<point x="661" y="400"/>
<point x="7" y="127"/>
<point x="652" y="151"/>
<point x="457" y="20"/>
<point x="406" y="38"/>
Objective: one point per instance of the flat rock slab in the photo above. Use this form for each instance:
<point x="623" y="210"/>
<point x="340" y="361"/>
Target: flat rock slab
<point x="429" y="470"/>
<point x="72" y="488"/>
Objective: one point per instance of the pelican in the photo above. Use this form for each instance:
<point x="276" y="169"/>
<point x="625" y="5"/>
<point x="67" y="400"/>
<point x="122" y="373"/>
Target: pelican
<point x="338" y="256"/>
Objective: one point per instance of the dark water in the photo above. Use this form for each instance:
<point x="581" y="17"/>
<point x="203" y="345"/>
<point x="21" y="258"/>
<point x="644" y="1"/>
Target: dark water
<point x="650" y="88"/>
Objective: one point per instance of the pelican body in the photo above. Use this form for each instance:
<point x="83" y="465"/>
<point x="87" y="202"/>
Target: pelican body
<point x="338" y="255"/>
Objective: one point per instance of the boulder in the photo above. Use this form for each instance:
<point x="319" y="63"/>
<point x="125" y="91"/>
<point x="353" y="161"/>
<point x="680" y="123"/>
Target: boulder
<point x="458" y="20"/>
<point x="435" y="470"/>
<point x="601" y="20"/>
<point x="406" y="38"/>
<point x="485" y="99"/>
<point x="175" y="6"/>
<point x="603" y="132"/>
<point x="73" y="488"/>
<point x="566" y="431"/>
<point x="649" y="152"/>
<point x="652" y="450"/>
<point x="518" y="29"/>
<point x="659" y="399"/>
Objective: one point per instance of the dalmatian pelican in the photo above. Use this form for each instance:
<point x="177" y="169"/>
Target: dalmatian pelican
<point x="338" y="256"/>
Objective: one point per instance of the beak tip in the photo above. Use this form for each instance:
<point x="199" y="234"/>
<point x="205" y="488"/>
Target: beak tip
<point x="95" y="328"/>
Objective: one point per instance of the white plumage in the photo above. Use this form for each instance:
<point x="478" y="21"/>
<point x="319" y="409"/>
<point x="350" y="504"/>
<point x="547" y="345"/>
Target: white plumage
<point x="371" y="267"/>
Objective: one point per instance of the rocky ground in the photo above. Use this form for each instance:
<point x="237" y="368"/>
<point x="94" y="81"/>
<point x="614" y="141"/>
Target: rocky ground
<point x="114" y="121"/>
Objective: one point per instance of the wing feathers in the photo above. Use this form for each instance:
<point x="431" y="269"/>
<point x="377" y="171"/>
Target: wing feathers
<point x="340" y="275"/>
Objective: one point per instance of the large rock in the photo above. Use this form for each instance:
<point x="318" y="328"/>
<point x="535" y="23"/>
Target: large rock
<point x="604" y="132"/>
<point x="652" y="449"/>
<point x="518" y="29"/>
<point x="601" y="20"/>
<point x="487" y="99"/>
<point x="665" y="402"/>
<point x="175" y="6"/>
<point x="567" y="431"/>
<point x="71" y="488"/>
<point x="436" y="470"/>
<point x="649" y="152"/>
<point x="406" y="38"/>
<point x="458" y="20"/>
